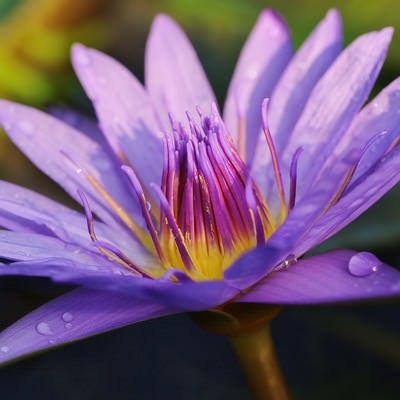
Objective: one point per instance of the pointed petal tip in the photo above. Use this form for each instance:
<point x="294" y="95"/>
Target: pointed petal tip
<point x="162" y="21"/>
<point x="385" y="35"/>
<point x="270" y="16"/>
<point x="79" y="55"/>
<point x="334" y="19"/>
<point x="387" y="32"/>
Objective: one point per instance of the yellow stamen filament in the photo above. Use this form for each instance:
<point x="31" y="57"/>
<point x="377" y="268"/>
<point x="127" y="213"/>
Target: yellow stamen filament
<point x="122" y="214"/>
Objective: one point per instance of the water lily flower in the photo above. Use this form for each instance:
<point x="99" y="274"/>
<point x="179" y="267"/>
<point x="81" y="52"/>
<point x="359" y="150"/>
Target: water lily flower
<point x="187" y="210"/>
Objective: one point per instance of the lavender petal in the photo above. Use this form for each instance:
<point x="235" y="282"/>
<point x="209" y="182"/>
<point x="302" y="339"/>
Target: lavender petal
<point x="335" y="101"/>
<point x="66" y="155"/>
<point x="22" y="210"/>
<point x="125" y="112"/>
<point x="174" y="76"/>
<point x="337" y="276"/>
<point x="76" y="315"/>
<point x="354" y="202"/>
<point x="261" y="63"/>
<point x="294" y="87"/>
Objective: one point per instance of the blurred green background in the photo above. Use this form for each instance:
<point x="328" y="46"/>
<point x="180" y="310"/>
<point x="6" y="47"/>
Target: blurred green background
<point x="327" y="353"/>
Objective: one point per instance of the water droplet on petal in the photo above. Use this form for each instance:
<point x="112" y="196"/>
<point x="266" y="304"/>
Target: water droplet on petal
<point x="25" y="127"/>
<point x="395" y="287"/>
<point x="82" y="56"/>
<point x="68" y="325"/>
<point x="290" y="260"/>
<point x="103" y="165"/>
<point x="7" y="126"/>
<point x="52" y="341"/>
<point x="148" y="205"/>
<point x="67" y="317"/>
<point x="363" y="264"/>
<point x="44" y="329"/>
<point x="287" y="262"/>
<point x="4" y="349"/>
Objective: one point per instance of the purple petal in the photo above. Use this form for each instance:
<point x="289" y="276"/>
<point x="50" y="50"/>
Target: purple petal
<point x="26" y="211"/>
<point x="74" y="316"/>
<point x="78" y="121"/>
<point x="340" y="275"/>
<point x="379" y="116"/>
<point x="124" y="110"/>
<point x="262" y="60"/>
<point x="357" y="200"/>
<point x="185" y="295"/>
<point x="294" y="87"/>
<point x="32" y="247"/>
<point x="335" y="101"/>
<point x="49" y="143"/>
<point x="173" y="74"/>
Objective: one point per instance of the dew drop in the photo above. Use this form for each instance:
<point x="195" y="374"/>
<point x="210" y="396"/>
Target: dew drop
<point x="287" y="262"/>
<point x="68" y="325"/>
<point x="148" y="205"/>
<point x="102" y="80"/>
<point x="25" y="127"/>
<point x="363" y="264"/>
<point x="67" y="317"/>
<point x="252" y="72"/>
<point x="82" y="56"/>
<point x="4" y="349"/>
<point x="103" y="165"/>
<point x="7" y="126"/>
<point x="395" y="287"/>
<point x="11" y="109"/>
<point x="44" y="329"/>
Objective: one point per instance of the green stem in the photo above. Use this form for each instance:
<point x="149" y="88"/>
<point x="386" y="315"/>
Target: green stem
<point x="256" y="354"/>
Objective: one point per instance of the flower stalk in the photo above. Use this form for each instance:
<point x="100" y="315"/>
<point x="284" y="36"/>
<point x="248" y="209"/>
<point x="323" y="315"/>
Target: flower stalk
<point x="256" y="354"/>
<point x="248" y="328"/>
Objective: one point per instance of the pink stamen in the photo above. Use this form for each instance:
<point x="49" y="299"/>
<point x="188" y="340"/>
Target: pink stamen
<point x="107" y="249"/>
<point x="241" y="125"/>
<point x="179" y="240"/>
<point x="224" y="225"/>
<point x="252" y="202"/>
<point x="293" y="177"/>
<point x="274" y="155"/>
<point x="88" y="215"/>
<point x="130" y="173"/>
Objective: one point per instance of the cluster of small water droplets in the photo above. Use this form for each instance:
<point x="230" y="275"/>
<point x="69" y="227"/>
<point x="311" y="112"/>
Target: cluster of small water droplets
<point x="67" y="317"/>
<point x="44" y="329"/>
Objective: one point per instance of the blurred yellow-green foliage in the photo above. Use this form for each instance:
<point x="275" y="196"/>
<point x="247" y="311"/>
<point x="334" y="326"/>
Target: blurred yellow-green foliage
<point x="219" y="27"/>
<point x="36" y="36"/>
